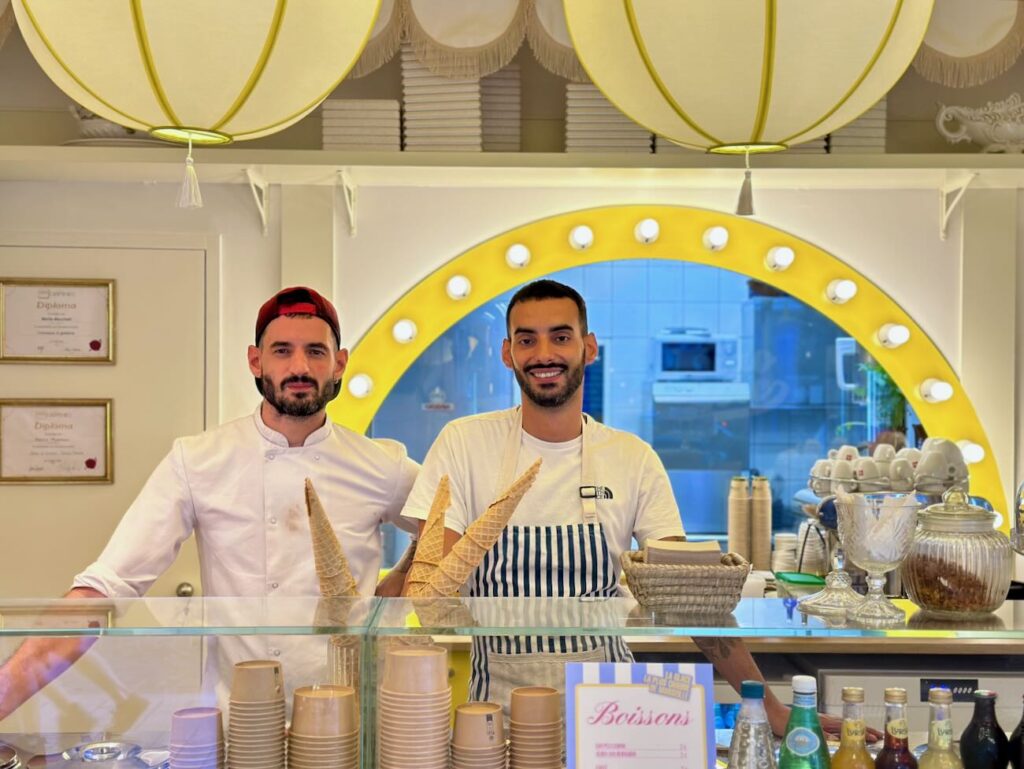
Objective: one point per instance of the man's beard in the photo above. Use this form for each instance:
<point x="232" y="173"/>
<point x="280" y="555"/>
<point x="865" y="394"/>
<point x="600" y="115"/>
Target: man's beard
<point x="544" y="399"/>
<point x="303" y="404"/>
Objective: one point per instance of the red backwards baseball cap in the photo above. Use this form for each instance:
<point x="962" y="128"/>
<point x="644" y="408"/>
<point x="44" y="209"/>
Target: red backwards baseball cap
<point x="297" y="300"/>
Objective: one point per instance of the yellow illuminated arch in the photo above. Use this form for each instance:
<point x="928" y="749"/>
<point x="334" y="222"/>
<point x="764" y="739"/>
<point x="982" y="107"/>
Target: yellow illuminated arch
<point x="379" y="359"/>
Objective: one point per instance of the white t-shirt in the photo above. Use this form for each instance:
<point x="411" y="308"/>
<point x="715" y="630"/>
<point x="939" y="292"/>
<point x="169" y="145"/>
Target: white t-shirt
<point x="469" y="451"/>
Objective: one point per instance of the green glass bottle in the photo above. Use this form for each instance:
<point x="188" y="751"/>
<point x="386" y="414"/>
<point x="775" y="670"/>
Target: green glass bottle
<point x="804" y="747"/>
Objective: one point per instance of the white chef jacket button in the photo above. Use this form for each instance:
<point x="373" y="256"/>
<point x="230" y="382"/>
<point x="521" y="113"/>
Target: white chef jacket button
<point x="273" y="586"/>
<point x="316" y="457"/>
<point x="276" y="652"/>
<point x="273" y="520"/>
<point x="270" y="455"/>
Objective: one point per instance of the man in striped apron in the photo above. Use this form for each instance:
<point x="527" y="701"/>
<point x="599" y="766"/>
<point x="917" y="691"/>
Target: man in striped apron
<point x="598" y="488"/>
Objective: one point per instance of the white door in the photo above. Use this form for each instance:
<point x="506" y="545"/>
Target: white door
<point x="158" y="384"/>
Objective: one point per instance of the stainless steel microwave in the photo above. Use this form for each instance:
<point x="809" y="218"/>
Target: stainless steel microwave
<point x="696" y="355"/>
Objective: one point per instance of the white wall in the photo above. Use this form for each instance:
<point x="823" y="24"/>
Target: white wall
<point x="250" y="264"/>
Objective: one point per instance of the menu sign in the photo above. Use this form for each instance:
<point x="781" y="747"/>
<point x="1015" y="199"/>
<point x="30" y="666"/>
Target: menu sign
<point x="55" y="441"/>
<point x="57" y="320"/>
<point x="653" y="715"/>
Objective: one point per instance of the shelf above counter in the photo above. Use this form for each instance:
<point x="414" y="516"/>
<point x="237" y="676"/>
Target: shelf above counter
<point x="154" y="164"/>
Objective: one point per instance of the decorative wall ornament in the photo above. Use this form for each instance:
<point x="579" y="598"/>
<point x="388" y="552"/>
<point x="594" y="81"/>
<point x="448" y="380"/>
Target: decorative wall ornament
<point x="467" y="40"/>
<point x="385" y="39"/>
<point x="192" y="70"/>
<point x="745" y="77"/>
<point x="457" y="39"/>
<point x="970" y="42"/>
<point x="6" y="20"/>
<point x="549" y="40"/>
<point x="996" y="127"/>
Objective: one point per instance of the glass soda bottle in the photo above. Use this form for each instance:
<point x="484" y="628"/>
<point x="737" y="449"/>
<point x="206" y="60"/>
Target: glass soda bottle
<point x="940" y="753"/>
<point x="853" y="753"/>
<point x="804" y="747"/>
<point x="1017" y="746"/>
<point x="983" y="745"/>
<point x="895" y="753"/>
<point x="752" y="746"/>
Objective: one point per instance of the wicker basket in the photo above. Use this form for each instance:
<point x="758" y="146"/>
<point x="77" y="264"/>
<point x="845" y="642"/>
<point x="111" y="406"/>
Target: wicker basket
<point x="700" y="590"/>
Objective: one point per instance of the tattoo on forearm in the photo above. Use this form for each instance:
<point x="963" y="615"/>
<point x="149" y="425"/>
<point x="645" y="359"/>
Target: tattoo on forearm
<point x="716" y="649"/>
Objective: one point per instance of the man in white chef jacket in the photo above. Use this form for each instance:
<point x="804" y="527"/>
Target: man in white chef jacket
<point x="240" y="489"/>
<point x="597" y="488"/>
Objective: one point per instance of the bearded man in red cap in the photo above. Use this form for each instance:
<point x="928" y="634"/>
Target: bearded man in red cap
<point x="240" y="489"/>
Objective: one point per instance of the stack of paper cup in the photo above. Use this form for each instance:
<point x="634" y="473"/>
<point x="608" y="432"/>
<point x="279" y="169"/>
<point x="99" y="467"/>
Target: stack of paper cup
<point x="478" y="741"/>
<point x="414" y="708"/>
<point x="256" y="717"/>
<point x="325" y="728"/>
<point x="536" y="728"/>
<point x="197" y="739"/>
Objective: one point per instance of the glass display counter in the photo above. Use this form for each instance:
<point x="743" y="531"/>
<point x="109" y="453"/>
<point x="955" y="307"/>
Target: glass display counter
<point x="143" y="659"/>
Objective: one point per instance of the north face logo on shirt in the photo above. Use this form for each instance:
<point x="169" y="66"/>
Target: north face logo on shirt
<point x="596" y="492"/>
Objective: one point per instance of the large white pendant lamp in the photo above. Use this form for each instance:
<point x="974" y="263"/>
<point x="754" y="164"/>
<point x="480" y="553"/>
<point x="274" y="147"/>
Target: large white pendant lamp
<point x="743" y="76"/>
<point x="200" y="71"/>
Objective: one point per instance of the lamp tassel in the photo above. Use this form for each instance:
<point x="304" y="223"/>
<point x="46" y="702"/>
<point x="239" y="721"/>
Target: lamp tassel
<point x="190" y="196"/>
<point x="745" y="203"/>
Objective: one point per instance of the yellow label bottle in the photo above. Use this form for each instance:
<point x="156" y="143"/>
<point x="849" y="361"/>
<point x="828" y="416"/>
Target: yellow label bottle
<point x="940" y="753"/>
<point x="853" y="753"/>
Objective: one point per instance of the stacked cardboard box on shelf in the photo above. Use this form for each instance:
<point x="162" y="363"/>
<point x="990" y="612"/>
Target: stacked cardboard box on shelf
<point x="500" y="101"/>
<point x="441" y="114"/>
<point x="594" y="124"/>
<point x="866" y="134"/>
<point x="361" y="124"/>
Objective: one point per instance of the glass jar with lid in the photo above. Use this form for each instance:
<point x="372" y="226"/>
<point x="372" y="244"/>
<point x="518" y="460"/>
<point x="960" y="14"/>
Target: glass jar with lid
<point x="958" y="565"/>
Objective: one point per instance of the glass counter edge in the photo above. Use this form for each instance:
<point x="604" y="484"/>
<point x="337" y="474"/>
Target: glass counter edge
<point x="399" y="616"/>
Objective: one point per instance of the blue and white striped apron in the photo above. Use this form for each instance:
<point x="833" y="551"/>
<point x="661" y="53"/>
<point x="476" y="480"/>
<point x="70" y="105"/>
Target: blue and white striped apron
<point x="542" y="561"/>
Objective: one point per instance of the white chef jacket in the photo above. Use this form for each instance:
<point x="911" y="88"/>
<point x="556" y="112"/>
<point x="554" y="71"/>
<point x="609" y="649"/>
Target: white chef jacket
<point x="240" y="488"/>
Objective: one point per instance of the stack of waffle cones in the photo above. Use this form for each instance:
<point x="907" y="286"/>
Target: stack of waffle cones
<point x="336" y="581"/>
<point x="430" y="548"/>
<point x="455" y="568"/>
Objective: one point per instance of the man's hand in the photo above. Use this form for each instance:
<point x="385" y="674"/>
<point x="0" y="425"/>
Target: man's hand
<point x="392" y="584"/>
<point x="39" y="660"/>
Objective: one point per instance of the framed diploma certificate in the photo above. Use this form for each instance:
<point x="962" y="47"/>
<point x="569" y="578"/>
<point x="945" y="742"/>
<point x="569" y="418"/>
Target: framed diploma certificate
<point x="47" y="320"/>
<point x="55" y="441"/>
<point x="633" y="716"/>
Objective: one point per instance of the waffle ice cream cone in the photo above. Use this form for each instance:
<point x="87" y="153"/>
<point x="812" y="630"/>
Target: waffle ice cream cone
<point x="430" y="548"/>
<point x="455" y="568"/>
<point x="331" y="566"/>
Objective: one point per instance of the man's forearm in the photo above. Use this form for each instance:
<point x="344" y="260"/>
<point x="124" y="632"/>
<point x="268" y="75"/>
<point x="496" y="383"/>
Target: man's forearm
<point x="40" y="660"/>
<point x="732" y="660"/>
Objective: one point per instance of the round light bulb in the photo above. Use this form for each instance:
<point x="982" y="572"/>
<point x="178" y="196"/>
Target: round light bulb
<point x="458" y="287"/>
<point x="715" y="238"/>
<point x="581" y="237"/>
<point x="779" y="258"/>
<point x="973" y="453"/>
<point x="360" y="385"/>
<point x="517" y="256"/>
<point x="936" y="390"/>
<point x="404" y="331"/>
<point x="893" y="335"/>
<point x="841" y="291"/>
<point x="646" y="231"/>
